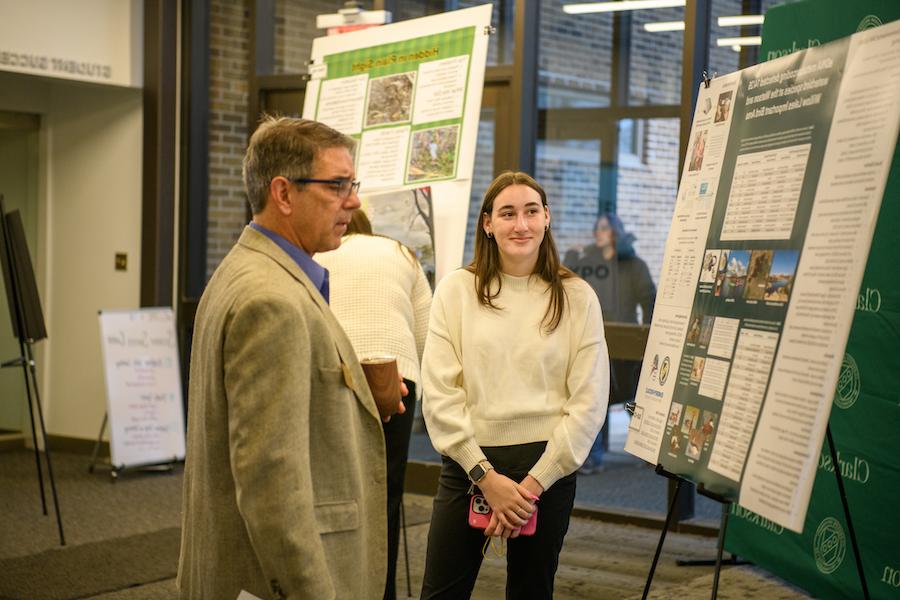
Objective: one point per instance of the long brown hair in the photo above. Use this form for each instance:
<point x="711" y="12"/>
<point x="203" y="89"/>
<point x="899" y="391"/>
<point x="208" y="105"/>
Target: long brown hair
<point x="486" y="264"/>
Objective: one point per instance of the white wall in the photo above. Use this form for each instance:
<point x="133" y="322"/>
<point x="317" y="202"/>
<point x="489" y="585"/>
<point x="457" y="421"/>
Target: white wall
<point x="89" y="209"/>
<point x="85" y="40"/>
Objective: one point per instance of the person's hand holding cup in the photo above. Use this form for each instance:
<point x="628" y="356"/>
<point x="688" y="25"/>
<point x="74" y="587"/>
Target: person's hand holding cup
<point x="385" y="383"/>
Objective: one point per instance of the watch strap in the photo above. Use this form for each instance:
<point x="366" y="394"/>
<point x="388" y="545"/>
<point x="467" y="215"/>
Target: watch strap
<point x="480" y="471"/>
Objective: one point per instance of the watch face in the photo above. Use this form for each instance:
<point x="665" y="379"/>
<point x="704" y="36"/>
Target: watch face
<point x="476" y="473"/>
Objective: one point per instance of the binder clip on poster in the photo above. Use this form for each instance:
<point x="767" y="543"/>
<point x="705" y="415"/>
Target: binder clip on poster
<point x="352" y="18"/>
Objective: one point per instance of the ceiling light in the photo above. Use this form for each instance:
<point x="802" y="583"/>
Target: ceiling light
<point x="753" y="40"/>
<point x="596" y="7"/>
<point x="740" y="20"/>
<point x="664" y="26"/>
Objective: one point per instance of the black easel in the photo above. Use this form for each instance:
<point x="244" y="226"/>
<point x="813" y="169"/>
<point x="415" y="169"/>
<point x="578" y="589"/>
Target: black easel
<point x="726" y="508"/>
<point x="28" y="326"/>
<point x="846" y="505"/>
<point x="679" y="481"/>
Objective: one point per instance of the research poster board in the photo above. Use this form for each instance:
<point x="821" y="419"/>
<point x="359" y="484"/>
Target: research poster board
<point x="143" y="386"/>
<point x="782" y="185"/>
<point x="865" y="414"/>
<point x="410" y="95"/>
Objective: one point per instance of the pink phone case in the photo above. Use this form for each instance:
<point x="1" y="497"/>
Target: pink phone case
<point x="480" y="516"/>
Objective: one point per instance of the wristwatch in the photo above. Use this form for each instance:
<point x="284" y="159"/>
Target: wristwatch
<point x="477" y="473"/>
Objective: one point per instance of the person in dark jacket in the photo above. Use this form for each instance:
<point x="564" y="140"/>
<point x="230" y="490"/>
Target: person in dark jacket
<point x="623" y="284"/>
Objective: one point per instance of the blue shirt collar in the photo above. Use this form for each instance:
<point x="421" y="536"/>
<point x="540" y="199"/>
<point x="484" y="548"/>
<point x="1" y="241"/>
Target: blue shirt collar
<point x="316" y="272"/>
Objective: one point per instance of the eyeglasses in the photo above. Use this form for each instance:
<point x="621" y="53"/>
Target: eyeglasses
<point x="344" y="187"/>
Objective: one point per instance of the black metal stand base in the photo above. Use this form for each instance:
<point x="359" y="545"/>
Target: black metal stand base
<point x="726" y="507"/>
<point x="33" y="398"/>
<point x="116" y="471"/>
<point x="165" y="466"/>
<point x="718" y="562"/>
<point x="732" y="561"/>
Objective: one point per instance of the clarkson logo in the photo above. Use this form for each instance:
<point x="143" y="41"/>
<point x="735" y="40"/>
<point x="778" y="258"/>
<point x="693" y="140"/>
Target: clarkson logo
<point x="829" y="545"/>
<point x="847" y="391"/>
<point x="869" y="22"/>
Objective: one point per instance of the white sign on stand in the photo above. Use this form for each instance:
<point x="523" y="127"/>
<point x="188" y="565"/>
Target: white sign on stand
<point x="143" y="386"/>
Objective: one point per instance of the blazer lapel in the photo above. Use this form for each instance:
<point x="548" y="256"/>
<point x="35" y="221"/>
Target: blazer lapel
<point x="258" y="242"/>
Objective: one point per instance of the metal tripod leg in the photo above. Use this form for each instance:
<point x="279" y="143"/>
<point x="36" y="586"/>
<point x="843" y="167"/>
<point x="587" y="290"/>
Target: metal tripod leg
<point x="37" y="400"/>
<point x="405" y="547"/>
<point x="97" y="444"/>
<point x="662" y="538"/>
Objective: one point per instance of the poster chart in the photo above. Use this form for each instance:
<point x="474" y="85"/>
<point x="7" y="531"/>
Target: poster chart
<point x="782" y="184"/>
<point x="410" y="94"/>
<point x="143" y="386"/>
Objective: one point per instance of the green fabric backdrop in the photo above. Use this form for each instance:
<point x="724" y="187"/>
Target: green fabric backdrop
<point x="865" y="419"/>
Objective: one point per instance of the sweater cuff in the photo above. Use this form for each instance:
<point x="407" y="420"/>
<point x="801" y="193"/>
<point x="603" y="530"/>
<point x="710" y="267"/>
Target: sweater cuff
<point x="467" y="455"/>
<point x="547" y="472"/>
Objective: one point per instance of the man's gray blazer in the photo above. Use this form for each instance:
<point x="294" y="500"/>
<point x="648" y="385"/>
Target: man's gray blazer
<point x="284" y="486"/>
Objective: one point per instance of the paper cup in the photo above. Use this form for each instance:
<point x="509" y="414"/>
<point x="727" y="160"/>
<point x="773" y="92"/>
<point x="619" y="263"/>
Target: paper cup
<point x="384" y="382"/>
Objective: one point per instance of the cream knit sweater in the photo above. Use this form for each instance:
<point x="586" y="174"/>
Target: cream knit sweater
<point x="496" y="378"/>
<point x="381" y="298"/>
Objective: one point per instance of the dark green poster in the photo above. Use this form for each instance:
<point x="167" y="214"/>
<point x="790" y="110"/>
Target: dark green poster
<point x="865" y="416"/>
<point x="778" y="203"/>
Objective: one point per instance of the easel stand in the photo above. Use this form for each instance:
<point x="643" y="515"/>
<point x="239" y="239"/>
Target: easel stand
<point x="846" y="505"/>
<point x="28" y="326"/>
<point x="29" y="373"/>
<point x="115" y="470"/>
<point x="726" y="508"/>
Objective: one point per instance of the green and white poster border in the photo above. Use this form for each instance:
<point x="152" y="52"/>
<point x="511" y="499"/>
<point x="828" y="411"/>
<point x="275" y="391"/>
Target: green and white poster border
<point x="410" y="94"/>
<point x="780" y="193"/>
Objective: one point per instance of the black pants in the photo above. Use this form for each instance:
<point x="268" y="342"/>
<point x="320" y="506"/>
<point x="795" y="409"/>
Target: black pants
<point x="454" y="549"/>
<point x="396" y="441"/>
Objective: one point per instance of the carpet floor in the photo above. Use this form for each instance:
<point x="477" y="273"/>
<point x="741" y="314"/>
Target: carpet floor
<point x="93" y="568"/>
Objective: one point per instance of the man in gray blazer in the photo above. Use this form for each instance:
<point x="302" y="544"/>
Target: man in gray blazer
<point x="284" y="487"/>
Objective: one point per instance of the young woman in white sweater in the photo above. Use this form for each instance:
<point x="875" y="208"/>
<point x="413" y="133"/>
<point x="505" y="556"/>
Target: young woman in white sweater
<point x="516" y="378"/>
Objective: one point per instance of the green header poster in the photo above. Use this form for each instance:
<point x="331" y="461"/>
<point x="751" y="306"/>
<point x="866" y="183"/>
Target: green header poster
<point x="781" y="188"/>
<point x="865" y="416"/>
<point x="410" y="94"/>
<point x="404" y="102"/>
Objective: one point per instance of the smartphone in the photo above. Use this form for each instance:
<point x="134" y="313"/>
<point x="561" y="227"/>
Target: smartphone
<point x="480" y="516"/>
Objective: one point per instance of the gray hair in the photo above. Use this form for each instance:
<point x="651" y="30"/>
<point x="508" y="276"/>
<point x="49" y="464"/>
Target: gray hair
<point x="288" y="147"/>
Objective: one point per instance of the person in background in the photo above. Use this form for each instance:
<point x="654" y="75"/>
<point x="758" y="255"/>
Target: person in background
<point x="623" y="284"/>
<point x="381" y="297"/>
<point x="516" y="376"/>
<point x="284" y="483"/>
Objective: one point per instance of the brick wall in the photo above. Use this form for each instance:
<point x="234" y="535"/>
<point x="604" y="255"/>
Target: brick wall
<point x="228" y="48"/>
<point x="295" y="29"/>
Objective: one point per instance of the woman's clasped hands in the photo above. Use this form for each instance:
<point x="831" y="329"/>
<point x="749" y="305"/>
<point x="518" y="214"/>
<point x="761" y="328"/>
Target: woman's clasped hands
<point x="512" y="504"/>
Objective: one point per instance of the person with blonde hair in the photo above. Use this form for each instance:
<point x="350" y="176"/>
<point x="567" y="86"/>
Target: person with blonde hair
<point x="516" y="375"/>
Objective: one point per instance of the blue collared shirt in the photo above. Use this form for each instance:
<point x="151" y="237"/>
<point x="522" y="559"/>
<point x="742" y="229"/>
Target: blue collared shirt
<point x="316" y="272"/>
